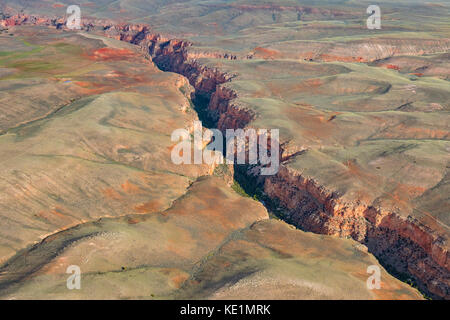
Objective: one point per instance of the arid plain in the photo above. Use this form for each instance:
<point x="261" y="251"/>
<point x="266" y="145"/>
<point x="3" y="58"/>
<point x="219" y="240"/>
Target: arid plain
<point x="87" y="179"/>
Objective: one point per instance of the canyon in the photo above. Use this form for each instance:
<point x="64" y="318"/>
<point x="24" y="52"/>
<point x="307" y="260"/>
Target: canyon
<point x="384" y="191"/>
<point x="406" y="244"/>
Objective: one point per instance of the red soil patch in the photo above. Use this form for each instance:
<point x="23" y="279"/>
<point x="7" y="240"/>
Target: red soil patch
<point x="409" y="132"/>
<point x="129" y="187"/>
<point x="178" y="280"/>
<point x="181" y="245"/>
<point x="111" y="193"/>
<point x="111" y="54"/>
<point x="132" y="221"/>
<point x="306" y="85"/>
<point x="57" y="5"/>
<point x="404" y="192"/>
<point x="170" y="148"/>
<point x="55" y="215"/>
<point x="331" y="58"/>
<point x="89" y="88"/>
<point x="151" y="206"/>
<point x="266" y="53"/>
<point x="393" y="67"/>
<point x="313" y="83"/>
<point x="176" y="277"/>
<point x="308" y="55"/>
<point x="389" y="290"/>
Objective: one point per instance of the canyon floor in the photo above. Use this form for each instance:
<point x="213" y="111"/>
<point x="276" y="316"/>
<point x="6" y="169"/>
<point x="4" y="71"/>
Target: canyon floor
<point x="85" y="145"/>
